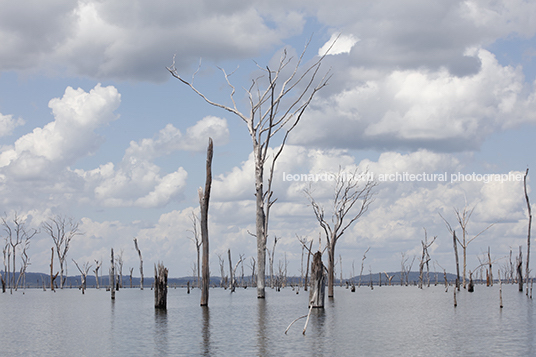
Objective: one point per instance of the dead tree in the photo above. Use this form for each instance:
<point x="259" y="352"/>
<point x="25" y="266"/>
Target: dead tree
<point x="112" y="275"/>
<point x="389" y="277"/>
<point x="17" y="237"/>
<point x="83" y="274"/>
<point x="52" y="275"/>
<point x="463" y="218"/>
<point x="130" y="277"/>
<point x="362" y="265"/>
<point x="197" y="242"/>
<point x="231" y="275"/>
<point x="527" y="271"/>
<point x="490" y="268"/>
<point x="160" y="286"/>
<point x="222" y="270"/>
<point x="141" y="262"/>
<point x="62" y="230"/>
<point x="271" y="111"/>
<point x="96" y="271"/>
<point x="425" y="258"/>
<point x="519" y="264"/>
<point x="271" y="262"/>
<point x="351" y="201"/>
<point x="204" y="198"/>
<point x="317" y="292"/>
<point x="455" y="242"/>
<point x="252" y="265"/>
<point x="119" y="262"/>
<point x="304" y="242"/>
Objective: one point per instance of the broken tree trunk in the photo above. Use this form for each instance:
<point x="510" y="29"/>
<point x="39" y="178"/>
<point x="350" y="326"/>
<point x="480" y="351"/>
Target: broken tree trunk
<point x="471" y="286"/>
<point x="204" y="198"/>
<point x="160" y="286"/>
<point x="318" y="277"/>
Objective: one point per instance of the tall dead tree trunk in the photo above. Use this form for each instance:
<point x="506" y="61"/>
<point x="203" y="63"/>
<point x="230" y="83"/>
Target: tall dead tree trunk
<point x="231" y="275"/>
<point x="204" y="198"/>
<point x="112" y="275"/>
<point x="457" y="262"/>
<point x="160" y="286"/>
<point x="318" y="280"/>
<point x="270" y="112"/>
<point x="52" y="276"/>
<point x="527" y="270"/>
<point x="141" y="262"/>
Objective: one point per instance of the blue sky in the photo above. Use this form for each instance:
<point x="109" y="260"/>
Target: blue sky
<point x="93" y="126"/>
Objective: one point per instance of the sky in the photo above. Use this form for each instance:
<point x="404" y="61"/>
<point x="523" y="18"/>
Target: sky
<point x="93" y="126"/>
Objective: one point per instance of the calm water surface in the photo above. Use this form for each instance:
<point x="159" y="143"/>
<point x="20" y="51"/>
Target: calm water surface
<point x="386" y="321"/>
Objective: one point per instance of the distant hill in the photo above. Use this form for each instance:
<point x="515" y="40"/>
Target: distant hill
<point x="35" y="280"/>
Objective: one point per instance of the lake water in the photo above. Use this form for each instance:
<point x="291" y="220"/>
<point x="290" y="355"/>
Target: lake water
<point x="386" y="321"/>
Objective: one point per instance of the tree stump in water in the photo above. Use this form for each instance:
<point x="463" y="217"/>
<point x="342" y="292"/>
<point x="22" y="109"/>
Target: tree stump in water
<point x="471" y="286"/>
<point x="160" y="286"/>
<point x="318" y="280"/>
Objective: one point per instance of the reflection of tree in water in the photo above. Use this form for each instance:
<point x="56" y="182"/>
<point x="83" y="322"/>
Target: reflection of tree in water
<point x="161" y="332"/>
<point x="262" y="349"/>
<point x="206" y="349"/>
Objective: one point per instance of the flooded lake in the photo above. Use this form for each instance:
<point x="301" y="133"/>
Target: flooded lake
<point x="386" y="321"/>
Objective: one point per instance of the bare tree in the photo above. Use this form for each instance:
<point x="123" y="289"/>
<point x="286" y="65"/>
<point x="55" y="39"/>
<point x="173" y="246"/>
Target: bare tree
<point x="362" y="265"/>
<point x="271" y="111"/>
<point x="222" y="270"/>
<point x="271" y="262"/>
<point x="463" y="218"/>
<point x="17" y="238"/>
<point x="130" y="277"/>
<point x="141" y="262"/>
<point x="83" y="273"/>
<point x="519" y="269"/>
<point x="119" y="264"/>
<point x="351" y="199"/>
<point x="96" y="271"/>
<point x="204" y="198"/>
<point x="62" y="230"/>
<point x="527" y="271"/>
<point x="425" y="258"/>
<point x="196" y="239"/>
<point x="252" y="265"/>
<point x="112" y="275"/>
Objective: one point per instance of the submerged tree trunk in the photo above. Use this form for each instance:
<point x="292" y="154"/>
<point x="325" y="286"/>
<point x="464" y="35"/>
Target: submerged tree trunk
<point x="112" y="275"/>
<point x="318" y="280"/>
<point x="160" y="286"/>
<point x="204" y="198"/>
